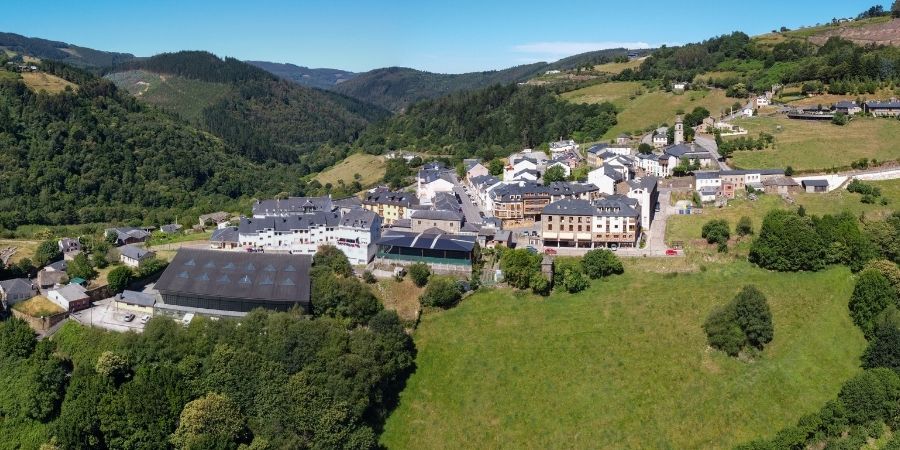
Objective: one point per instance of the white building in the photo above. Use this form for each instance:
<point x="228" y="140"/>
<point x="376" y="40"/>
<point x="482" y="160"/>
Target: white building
<point x="606" y="178"/>
<point x="762" y="100"/>
<point x="523" y="169"/>
<point x="354" y="232"/>
<point x="661" y="137"/>
<point x="565" y="167"/>
<point x="645" y="191"/>
<point x="70" y="297"/>
<point x="133" y="256"/>
<point x="563" y="146"/>
<point x="431" y="181"/>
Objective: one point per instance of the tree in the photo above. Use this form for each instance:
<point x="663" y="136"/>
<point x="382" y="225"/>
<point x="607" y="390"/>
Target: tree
<point x="80" y="267"/>
<point x="888" y="269"/>
<point x="539" y="284"/>
<point x="884" y="348"/>
<point x="788" y="171"/>
<point x="46" y="383"/>
<point x="518" y="266"/>
<point x="46" y="253"/>
<point x="716" y="231"/>
<point x="868" y="396"/>
<point x="787" y="243"/>
<point x="599" y="263"/>
<point x="442" y="292"/>
<point x="343" y="298"/>
<point x="645" y="148"/>
<point x="419" y="273"/>
<point x="895" y="9"/>
<point x="555" y="173"/>
<point x="496" y="167"/>
<point x="744" y="226"/>
<point x="723" y="332"/>
<point x="871" y="295"/>
<point x="753" y="316"/>
<point x="211" y="421"/>
<point x="840" y="119"/>
<point x="119" y="278"/>
<point x="113" y="366"/>
<point x="573" y="280"/>
<point x="396" y="173"/>
<point x="17" y="339"/>
<point x="331" y="258"/>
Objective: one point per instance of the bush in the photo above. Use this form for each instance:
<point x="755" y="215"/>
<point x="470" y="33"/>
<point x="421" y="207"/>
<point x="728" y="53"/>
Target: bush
<point x="745" y="320"/>
<point x="840" y="119"/>
<point x="442" y="292"/>
<point x="744" y="227"/>
<point x="330" y="257"/>
<point x="787" y="243"/>
<point x="419" y="273"/>
<point x="562" y="264"/>
<point x="574" y="280"/>
<point x="119" y="278"/>
<point x="723" y="331"/>
<point x="871" y="295"/>
<point x="540" y="285"/>
<point x="369" y="278"/>
<point x="716" y="232"/>
<point x="518" y="266"/>
<point x="601" y="263"/>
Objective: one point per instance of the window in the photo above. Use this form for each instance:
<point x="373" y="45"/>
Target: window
<point x="570" y="228"/>
<point x="549" y="227"/>
<point x="579" y="227"/>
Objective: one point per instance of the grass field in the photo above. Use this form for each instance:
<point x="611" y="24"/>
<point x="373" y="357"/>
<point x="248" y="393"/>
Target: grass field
<point x="617" y="68"/>
<point x="38" y="306"/>
<point x="624" y="364"/>
<point x="369" y="167"/>
<point x="185" y="97"/>
<point x="402" y="297"/>
<point x="40" y="81"/>
<point x="641" y="108"/>
<point x="25" y="248"/>
<point x="814" y="145"/>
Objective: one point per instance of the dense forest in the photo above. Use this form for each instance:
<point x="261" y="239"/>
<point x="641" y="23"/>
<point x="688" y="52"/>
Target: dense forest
<point x="261" y="116"/>
<point x="317" y="78"/>
<point x="506" y="117"/>
<point x="61" y="51"/>
<point x="98" y="155"/>
<point x="395" y="88"/>
<point x="758" y="66"/>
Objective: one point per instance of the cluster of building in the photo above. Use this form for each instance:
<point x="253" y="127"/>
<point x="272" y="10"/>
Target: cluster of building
<point x="875" y="108"/>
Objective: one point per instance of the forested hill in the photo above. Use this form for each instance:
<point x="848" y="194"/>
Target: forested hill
<point x="253" y="111"/>
<point x="489" y="122"/>
<point x="96" y="154"/>
<point x="60" y="51"/>
<point x="395" y="88"/>
<point x="317" y="78"/>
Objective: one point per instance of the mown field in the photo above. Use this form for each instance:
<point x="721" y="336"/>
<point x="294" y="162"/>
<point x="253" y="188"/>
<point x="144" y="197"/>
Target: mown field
<point x="185" y="97"/>
<point x="814" y="145"/>
<point x="617" y="68"/>
<point x="624" y="364"/>
<point x="369" y="167"/>
<point x="640" y="108"/>
<point x="39" y="81"/>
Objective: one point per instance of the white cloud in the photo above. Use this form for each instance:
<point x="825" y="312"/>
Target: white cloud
<point x="572" y="48"/>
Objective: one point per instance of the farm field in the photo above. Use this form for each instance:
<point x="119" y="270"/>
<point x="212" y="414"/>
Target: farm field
<point x="686" y="229"/>
<point x="39" y="81"/>
<point x="184" y="96"/>
<point x="606" y="369"/>
<point x="24" y="248"/>
<point x="617" y="68"/>
<point x="814" y="146"/>
<point x="647" y="108"/>
<point x="369" y="167"/>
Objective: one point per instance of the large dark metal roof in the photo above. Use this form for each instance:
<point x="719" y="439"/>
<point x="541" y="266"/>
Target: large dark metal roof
<point x="448" y="242"/>
<point x="236" y="275"/>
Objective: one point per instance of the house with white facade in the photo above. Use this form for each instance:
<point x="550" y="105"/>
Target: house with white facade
<point x="431" y="181"/>
<point x="762" y="100"/>
<point x="561" y="164"/>
<point x="645" y="191"/>
<point x="562" y="146"/>
<point x="70" y="297"/>
<point x="660" y="137"/>
<point x="606" y="178"/>
<point x="133" y="256"/>
<point x="523" y="169"/>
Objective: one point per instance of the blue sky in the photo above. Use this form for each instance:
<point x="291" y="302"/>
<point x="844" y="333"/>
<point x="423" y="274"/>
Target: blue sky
<point x="448" y="36"/>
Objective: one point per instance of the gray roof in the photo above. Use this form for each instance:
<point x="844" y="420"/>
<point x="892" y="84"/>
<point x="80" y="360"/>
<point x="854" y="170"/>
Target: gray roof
<point x="58" y="266"/>
<point x="428" y="176"/>
<point x="892" y="104"/>
<point x="528" y="171"/>
<point x="288" y="223"/>
<point x="437" y="215"/>
<point x="348" y="202"/>
<point x="484" y="180"/>
<point x="469" y="163"/>
<point x="16" y="286"/>
<point x="359" y="218"/>
<point x="709" y="175"/>
<point x="264" y="277"/>
<point x="72" y="292"/>
<point x="170" y="228"/>
<point x="292" y="205"/>
<point x="599" y="148"/>
<point x="218" y="216"/>
<point x="647" y="182"/>
<point x="815" y="183"/>
<point x="436" y="240"/>
<point x="136" y="253"/>
<point x="124" y="233"/>
<point x="846" y="104"/>
<point x="709" y="190"/>
<point x="678" y="150"/>
<point x="386" y="197"/>
<point x="136" y="298"/>
<point x="402" y="223"/>
<point x="751" y="171"/>
<point x="617" y="206"/>
<point x="570" y="207"/>
<point x="446" y="201"/>
<point x="227" y="234"/>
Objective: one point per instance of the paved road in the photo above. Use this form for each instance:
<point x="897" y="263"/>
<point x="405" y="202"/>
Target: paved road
<point x="709" y="143"/>
<point x="470" y="209"/>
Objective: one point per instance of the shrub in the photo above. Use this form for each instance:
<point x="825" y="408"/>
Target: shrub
<point x="562" y="264"/>
<point x="442" y="292"/>
<point x="716" y="231"/>
<point x="574" y="281"/>
<point x="540" y="285"/>
<point x="871" y="295"/>
<point x="119" y="278"/>
<point x="840" y="119"/>
<point x="787" y="243"/>
<point x="419" y="273"/>
<point x="744" y="227"/>
<point x="518" y="266"/>
<point x="369" y="278"/>
<point x="601" y="263"/>
<point x="745" y="320"/>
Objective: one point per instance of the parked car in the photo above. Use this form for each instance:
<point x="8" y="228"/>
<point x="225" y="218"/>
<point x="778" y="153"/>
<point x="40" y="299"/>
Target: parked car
<point x="128" y="317"/>
<point x="531" y="249"/>
<point x="549" y="251"/>
<point x="145" y="318"/>
<point x="671" y="252"/>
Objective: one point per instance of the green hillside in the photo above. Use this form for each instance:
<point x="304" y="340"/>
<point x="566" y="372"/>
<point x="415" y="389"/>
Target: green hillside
<point x="183" y="96"/>
<point x="60" y="51"/>
<point x="317" y="78"/>
<point x="624" y="364"/>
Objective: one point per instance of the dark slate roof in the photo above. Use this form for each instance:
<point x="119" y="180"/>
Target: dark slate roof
<point x="227" y="234"/>
<point x="648" y="183"/>
<point x="359" y="218"/>
<point x="16" y="286"/>
<point x="59" y="266"/>
<point x="570" y="207"/>
<point x="123" y="233"/>
<point x="749" y="171"/>
<point x="437" y="215"/>
<point x="251" y="225"/>
<point x="469" y="163"/>
<point x="265" y="277"/>
<point x="892" y="104"/>
<point x="435" y="241"/>
<point x="434" y="165"/>
<point x="485" y="180"/>
<point x="170" y="228"/>
<point x="678" y="150"/>
<point x="348" y="202"/>
<point x="569" y="188"/>
<point x="706" y="175"/>
<point x="386" y="197"/>
<point x="846" y="104"/>
<point x="815" y="183"/>
<point x="135" y="253"/>
<point x="292" y="205"/>
<point x="136" y="298"/>
<point x="617" y="206"/>
<point x="446" y="201"/>
<point x="528" y="171"/>
<point x="428" y="176"/>
<point x="72" y="292"/>
<point x="599" y="148"/>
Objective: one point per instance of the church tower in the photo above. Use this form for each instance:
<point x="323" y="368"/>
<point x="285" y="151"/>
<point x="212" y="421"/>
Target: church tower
<point x="679" y="130"/>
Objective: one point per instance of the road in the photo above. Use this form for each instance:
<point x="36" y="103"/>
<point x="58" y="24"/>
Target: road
<point x="709" y="143"/>
<point x="469" y="208"/>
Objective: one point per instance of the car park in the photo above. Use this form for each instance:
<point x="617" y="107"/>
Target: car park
<point x="128" y="317"/>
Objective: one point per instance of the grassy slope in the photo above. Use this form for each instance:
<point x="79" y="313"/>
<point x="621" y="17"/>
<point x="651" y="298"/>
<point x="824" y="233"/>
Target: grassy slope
<point x="648" y="108"/>
<point x="371" y="168"/>
<point x="624" y="364"/>
<point x="820" y="145"/>
<point x="38" y="81"/>
<point x="25" y="248"/>
<point x="617" y="68"/>
<point x="184" y="96"/>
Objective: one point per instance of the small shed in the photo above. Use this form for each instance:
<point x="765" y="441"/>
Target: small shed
<point x="138" y="302"/>
<point x="815" y="185"/>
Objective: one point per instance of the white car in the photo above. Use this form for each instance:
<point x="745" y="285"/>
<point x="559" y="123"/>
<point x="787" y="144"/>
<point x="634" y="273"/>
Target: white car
<point x="145" y="318"/>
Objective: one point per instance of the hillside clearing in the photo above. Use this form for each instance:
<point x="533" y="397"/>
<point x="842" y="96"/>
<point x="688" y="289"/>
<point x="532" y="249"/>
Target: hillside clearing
<point x="640" y="108"/>
<point x="819" y="145"/>
<point x="616" y="68"/>
<point x="185" y="97"/>
<point x="370" y="168"/>
<point x="40" y="81"/>
<point x="624" y="365"/>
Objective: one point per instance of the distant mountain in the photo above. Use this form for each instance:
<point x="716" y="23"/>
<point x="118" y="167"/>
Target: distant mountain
<point x="395" y="88"/>
<point x="60" y="51"/>
<point x="262" y="116"/>
<point x="317" y="78"/>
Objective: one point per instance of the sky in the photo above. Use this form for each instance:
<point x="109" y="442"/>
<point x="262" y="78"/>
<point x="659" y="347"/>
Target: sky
<point x="439" y="36"/>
